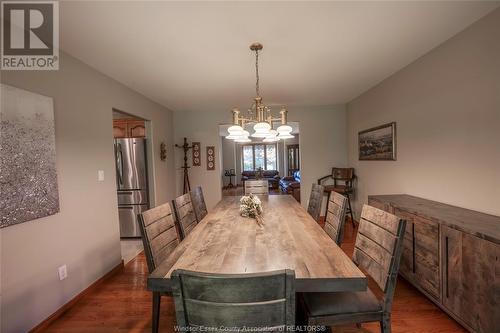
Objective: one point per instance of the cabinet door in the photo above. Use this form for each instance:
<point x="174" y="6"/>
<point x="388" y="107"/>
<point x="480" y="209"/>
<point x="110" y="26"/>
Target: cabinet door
<point x="407" y="265"/>
<point x="119" y="129"/>
<point x="471" y="278"/>
<point x="426" y="240"/>
<point x="136" y="129"/>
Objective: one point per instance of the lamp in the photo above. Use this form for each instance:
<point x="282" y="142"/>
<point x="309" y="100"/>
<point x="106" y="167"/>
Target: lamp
<point x="259" y="114"/>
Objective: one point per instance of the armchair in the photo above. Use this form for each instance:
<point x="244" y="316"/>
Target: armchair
<point x="342" y="183"/>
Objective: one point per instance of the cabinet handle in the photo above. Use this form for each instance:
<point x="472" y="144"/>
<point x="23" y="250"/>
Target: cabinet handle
<point x="446" y="266"/>
<point x="413" y="245"/>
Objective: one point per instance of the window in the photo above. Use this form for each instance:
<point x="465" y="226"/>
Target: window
<point x="259" y="155"/>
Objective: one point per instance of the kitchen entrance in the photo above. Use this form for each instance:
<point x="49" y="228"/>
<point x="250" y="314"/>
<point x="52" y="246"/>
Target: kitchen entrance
<point x="130" y="135"/>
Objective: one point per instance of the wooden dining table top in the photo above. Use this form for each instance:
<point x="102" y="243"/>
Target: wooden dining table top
<point x="227" y="243"/>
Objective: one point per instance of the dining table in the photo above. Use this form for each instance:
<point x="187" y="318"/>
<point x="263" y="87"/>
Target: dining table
<point x="289" y="238"/>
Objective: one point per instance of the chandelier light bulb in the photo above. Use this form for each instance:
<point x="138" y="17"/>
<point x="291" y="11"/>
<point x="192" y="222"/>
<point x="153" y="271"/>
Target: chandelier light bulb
<point x="262" y="127"/>
<point x="235" y="129"/>
<point x="284" y="129"/>
<point x="261" y="130"/>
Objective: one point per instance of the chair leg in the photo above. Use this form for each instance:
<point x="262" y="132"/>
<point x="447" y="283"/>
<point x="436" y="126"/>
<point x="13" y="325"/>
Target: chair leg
<point x="385" y="325"/>
<point x="156" y="312"/>
<point x="327" y="201"/>
<point x="358" y="325"/>
<point x="350" y="209"/>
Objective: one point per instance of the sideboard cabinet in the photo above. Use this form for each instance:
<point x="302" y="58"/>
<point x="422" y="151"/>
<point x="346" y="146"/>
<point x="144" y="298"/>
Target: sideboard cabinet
<point x="451" y="255"/>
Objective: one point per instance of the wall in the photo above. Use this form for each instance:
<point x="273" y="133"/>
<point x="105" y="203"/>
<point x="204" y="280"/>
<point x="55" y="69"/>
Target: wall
<point x="447" y="109"/>
<point x="85" y="234"/>
<point x="229" y="160"/>
<point x="322" y="145"/>
<point x="200" y="127"/>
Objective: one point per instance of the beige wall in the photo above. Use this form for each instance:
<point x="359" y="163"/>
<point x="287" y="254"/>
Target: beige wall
<point x="200" y="127"/>
<point x="85" y="234"/>
<point x="228" y="159"/>
<point x="322" y="143"/>
<point x="447" y="109"/>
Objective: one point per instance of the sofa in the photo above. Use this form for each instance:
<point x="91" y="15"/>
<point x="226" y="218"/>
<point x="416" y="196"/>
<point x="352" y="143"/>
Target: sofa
<point x="272" y="176"/>
<point x="288" y="184"/>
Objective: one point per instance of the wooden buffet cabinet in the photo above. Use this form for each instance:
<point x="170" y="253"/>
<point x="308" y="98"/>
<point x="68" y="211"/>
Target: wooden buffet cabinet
<point x="452" y="255"/>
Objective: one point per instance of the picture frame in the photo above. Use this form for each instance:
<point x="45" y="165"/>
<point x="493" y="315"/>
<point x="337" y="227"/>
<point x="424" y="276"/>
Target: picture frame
<point x="210" y="158"/>
<point x="378" y="143"/>
<point x="196" y="153"/>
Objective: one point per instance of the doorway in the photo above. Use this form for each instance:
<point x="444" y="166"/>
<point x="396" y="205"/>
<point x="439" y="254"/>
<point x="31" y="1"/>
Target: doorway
<point x="241" y="161"/>
<point x="131" y="136"/>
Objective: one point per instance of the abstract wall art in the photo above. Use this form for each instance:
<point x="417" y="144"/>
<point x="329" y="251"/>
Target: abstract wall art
<point x="28" y="178"/>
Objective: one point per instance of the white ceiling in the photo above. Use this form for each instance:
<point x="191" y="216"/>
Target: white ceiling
<point x="195" y="56"/>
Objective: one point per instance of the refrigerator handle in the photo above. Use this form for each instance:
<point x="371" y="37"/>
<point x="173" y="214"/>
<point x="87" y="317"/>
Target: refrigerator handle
<point x="119" y="163"/>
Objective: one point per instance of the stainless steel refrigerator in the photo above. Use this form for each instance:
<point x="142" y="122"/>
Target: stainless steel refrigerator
<point x="132" y="183"/>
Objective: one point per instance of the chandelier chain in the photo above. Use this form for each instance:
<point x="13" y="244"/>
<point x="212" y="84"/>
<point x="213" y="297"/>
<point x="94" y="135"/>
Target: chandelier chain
<point x="257" y="88"/>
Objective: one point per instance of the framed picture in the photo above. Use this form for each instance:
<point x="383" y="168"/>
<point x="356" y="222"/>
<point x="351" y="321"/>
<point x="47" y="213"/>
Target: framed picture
<point x="28" y="177"/>
<point x="196" y="154"/>
<point x="378" y="143"/>
<point x="210" y="158"/>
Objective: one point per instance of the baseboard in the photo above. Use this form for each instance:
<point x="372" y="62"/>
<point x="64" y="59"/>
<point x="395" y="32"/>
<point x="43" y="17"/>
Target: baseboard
<point x="44" y="324"/>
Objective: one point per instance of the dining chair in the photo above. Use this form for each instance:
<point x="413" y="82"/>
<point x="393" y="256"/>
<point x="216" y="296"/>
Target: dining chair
<point x="257" y="187"/>
<point x="185" y="216"/>
<point x="250" y="301"/>
<point x="335" y="217"/>
<point x="343" y="179"/>
<point x="199" y="206"/>
<point x="159" y="238"/>
<point x="315" y="200"/>
<point x="377" y="251"/>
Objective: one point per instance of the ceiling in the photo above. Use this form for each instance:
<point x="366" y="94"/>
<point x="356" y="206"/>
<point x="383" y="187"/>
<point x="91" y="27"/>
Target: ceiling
<point x="194" y="56"/>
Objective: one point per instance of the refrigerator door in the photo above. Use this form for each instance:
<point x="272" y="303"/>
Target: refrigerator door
<point x="132" y="197"/>
<point x="130" y="164"/>
<point x="129" y="224"/>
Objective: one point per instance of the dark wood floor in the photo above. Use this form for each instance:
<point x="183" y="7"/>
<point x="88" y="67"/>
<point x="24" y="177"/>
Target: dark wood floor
<point x="121" y="304"/>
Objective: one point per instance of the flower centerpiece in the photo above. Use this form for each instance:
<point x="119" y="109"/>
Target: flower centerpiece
<point x="251" y="206"/>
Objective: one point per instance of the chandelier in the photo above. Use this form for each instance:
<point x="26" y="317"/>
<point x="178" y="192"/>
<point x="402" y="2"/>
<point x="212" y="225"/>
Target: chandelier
<point x="260" y="115"/>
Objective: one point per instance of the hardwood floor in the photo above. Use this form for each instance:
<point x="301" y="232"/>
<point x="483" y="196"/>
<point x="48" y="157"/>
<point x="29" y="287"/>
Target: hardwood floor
<point x="121" y="304"/>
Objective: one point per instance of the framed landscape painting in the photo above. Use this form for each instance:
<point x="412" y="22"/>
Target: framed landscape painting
<point x="378" y="143"/>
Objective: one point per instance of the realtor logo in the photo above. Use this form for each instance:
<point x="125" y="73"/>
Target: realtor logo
<point x="30" y="35"/>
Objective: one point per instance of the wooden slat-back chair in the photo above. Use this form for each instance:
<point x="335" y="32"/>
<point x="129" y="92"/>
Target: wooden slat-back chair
<point x="257" y="187"/>
<point x="184" y="212"/>
<point x="260" y="300"/>
<point x="200" y="208"/>
<point x="377" y="251"/>
<point x="315" y="200"/>
<point x="335" y="216"/>
<point x="160" y="238"/>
